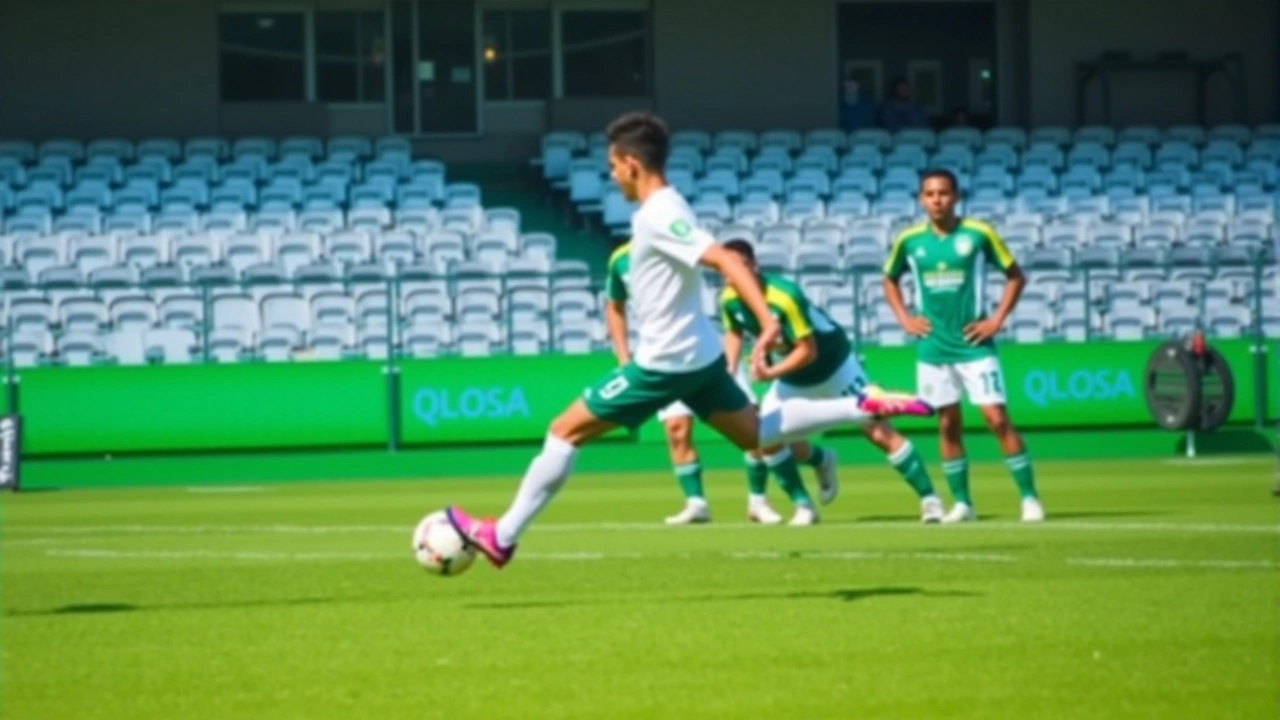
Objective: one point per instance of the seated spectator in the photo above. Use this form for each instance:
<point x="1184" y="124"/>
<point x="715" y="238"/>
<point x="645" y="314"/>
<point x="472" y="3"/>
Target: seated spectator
<point x="856" y="109"/>
<point x="900" y="110"/>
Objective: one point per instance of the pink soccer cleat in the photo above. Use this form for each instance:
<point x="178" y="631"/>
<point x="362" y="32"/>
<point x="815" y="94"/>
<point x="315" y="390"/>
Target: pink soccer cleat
<point x="481" y="535"/>
<point x="881" y="403"/>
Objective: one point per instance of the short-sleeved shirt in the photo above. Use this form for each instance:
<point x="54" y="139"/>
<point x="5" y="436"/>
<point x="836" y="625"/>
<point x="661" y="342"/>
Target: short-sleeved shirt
<point x="949" y="279"/>
<point x="664" y="286"/>
<point x="798" y="319"/>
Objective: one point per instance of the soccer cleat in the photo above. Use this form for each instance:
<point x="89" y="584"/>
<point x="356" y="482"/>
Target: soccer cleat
<point x="481" y="535"/>
<point x="828" y="483"/>
<point x="805" y="515"/>
<point x="881" y="403"/>
<point x="693" y="513"/>
<point x="930" y="510"/>
<point x="1032" y="510"/>
<point x="960" y="512"/>
<point x="763" y="514"/>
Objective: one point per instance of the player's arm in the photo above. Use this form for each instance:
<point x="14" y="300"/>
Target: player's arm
<point x="794" y="312"/>
<point x="998" y="254"/>
<point x="732" y="350"/>
<point x="732" y="338"/>
<point x="615" y="311"/>
<point x="740" y="278"/>
<point x="615" y="318"/>
<point x="894" y="267"/>
<point x="803" y="352"/>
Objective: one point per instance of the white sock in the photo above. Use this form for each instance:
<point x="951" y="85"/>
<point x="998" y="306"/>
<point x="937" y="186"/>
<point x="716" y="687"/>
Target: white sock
<point x="901" y="453"/>
<point x="795" y="418"/>
<point x="544" y="478"/>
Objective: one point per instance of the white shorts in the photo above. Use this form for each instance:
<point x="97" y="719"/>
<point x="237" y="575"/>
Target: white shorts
<point x="848" y="379"/>
<point x="678" y="409"/>
<point x="981" y="380"/>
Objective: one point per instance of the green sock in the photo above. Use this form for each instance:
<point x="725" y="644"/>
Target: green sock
<point x="911" y="467"/>
<point x="957" y="472"/>
<point x="1023" y="475"/>
<point x="788" y="474"/>
<point x="816" y="456"/>
<point x="757" y="476"/>
<point x="690" y="477"/>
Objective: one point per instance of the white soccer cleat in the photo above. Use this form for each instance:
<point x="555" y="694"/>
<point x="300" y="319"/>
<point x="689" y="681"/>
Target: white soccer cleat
<point x="931" y="510"/>
<point x="1032" y="510"/>
<point x="960" y="512"/>
<point x="828" y="483"/>
<point x="764" y="515"/>
<point x="692" y="514"/>
<point x="805" y="515"/>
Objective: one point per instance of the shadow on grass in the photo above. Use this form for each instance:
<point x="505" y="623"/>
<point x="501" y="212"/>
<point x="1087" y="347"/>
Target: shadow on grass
<point x="109" y="608"/>
<point x="842" y="595"/>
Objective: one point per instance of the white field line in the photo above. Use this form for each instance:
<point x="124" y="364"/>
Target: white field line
<point x="956" y="557"/>
<point x="19" y="533"/>
<point x="225" y="489"/>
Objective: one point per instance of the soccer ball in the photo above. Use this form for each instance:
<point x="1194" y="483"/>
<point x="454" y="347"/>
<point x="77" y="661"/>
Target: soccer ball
<point x="439" y="548"/>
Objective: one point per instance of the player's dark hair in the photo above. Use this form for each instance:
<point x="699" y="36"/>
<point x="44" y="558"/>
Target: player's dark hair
<point x="940" y="173"/>
<point x="741" y="247"/>
<point x="641" y="135"/>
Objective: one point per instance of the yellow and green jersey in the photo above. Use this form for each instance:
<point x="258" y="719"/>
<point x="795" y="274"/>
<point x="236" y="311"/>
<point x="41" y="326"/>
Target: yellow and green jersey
<point x="949" y="281"/>
<point x="799" y="319"/>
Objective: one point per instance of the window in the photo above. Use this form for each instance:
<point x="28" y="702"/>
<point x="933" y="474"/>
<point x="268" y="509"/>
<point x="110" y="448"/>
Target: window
<point x="517" y="54"/>
<point x="350" y="56"/>
<point x="604" y="53"/>
<point x="262" y="56"/>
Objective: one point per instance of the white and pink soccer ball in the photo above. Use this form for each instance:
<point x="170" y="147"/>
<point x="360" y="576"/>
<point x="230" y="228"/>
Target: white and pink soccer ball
<point x="439" y="548"/>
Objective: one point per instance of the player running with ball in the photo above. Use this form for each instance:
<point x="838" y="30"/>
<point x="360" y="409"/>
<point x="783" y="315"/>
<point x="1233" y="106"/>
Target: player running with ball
<point x="679" y="355"/>
<point x="947" y="256"/>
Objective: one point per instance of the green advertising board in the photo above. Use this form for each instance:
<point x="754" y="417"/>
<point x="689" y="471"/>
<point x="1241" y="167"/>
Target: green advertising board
<point x="109" y="409"/>
<point x="491" y="399"/>
<point x="116" y="409"/>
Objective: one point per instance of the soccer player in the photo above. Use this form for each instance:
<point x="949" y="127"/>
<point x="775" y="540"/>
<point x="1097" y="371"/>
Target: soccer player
<point x="679" y="355"/>
<point x="677" y="423"/>
<point x="947" y="256"/>
<point x="814" y="359"/>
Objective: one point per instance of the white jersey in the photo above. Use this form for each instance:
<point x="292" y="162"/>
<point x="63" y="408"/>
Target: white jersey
<point x="665" y="286"/>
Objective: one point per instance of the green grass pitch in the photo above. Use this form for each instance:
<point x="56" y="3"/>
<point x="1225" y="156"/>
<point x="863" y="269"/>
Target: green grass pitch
<point x="1150" y="593"/>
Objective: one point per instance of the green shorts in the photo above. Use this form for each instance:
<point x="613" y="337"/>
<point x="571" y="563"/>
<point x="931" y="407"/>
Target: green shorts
<point x="630" y="395"/>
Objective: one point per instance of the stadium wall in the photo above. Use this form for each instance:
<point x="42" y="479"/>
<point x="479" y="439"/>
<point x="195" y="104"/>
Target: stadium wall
<point x="450" y="402"/>
<point x="1064" y="33"/>
<point x="132" y="68"/>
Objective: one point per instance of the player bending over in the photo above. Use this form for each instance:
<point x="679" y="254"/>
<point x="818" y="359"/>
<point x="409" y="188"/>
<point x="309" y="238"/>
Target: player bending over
<point x="813" y="359"/>
<point x="678" y="356"/>
<point x="947" y="256"/>
<point x="677" y="423"/>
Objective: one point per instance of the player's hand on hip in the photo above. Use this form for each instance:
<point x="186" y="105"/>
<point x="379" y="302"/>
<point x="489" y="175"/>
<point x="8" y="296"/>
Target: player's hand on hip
<point x="918" y="326"/>
<point x="981" y="331"/>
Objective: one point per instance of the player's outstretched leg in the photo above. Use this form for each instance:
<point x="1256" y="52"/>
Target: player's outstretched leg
<point x="1017" y="460"/>
<point x="905" y="459"/>
<point x="688" y="469"/>
<point x="547" y="473"/>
